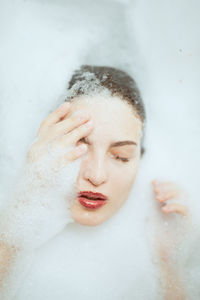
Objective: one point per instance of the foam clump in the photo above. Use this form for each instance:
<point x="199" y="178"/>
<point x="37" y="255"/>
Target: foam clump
<point x="87" y="84"/>
<point x="38" y="207"/>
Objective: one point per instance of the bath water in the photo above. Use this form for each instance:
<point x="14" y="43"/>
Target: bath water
<point x="42" y="42"/>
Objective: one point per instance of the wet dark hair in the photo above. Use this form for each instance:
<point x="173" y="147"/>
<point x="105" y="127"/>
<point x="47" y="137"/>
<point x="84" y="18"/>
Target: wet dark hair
<point x="118" y="82"/>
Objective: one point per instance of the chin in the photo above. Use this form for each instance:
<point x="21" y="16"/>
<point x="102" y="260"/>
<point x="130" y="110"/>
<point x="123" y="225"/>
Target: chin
<point x="87" y="217"/>
<point x="86" y="222"/>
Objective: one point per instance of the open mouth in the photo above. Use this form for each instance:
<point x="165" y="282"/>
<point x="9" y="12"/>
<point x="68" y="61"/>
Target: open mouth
<point x="92" y="200"/>
<point x="92" y="195"/>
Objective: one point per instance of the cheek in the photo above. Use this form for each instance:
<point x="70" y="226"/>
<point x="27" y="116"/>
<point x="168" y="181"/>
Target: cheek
<point x="122" y="182"/>
<point x="120" y="189"/>
<point x="124" y="178"/>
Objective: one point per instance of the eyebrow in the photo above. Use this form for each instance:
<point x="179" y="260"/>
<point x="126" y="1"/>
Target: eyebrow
<point x="116" y="144"/>
<point x="123" y="143"/>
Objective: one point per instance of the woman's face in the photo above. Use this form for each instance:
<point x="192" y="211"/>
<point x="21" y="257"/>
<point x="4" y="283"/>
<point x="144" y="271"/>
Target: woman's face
<point x="110" y="165"/>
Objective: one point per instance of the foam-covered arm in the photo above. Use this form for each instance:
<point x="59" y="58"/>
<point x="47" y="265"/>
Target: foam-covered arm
<point x="171" y="279"/>
<point x="14" y="265"/>
<point x="38" y="209"/>
<point x="36" y="212"/>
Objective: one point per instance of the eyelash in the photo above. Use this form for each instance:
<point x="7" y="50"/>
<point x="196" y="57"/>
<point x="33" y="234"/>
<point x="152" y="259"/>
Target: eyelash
<point x="122" y="159"/>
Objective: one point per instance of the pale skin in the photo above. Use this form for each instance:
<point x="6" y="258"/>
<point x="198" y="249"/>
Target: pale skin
<point x="105" y="161"/>
<point x="171" y="280"/>
<point x="95" y="135"/>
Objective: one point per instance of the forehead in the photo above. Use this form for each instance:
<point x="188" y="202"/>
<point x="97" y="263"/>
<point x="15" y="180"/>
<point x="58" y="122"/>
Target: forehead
<point x="113" y="118"/>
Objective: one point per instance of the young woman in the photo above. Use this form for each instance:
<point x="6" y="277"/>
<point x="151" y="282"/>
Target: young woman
<point x="102" y="122"/>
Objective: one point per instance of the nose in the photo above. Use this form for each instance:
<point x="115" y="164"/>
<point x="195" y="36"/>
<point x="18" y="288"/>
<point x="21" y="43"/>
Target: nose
<point x="95" y="171"/>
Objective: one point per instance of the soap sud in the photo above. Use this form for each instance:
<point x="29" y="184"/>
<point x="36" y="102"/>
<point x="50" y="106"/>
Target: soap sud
<point x="59" y="265"/>
<point x="41" y="199"/>
<point x="87" y="84"/>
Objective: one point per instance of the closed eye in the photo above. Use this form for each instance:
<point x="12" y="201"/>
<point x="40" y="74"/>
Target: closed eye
<point x="122" y="158"/>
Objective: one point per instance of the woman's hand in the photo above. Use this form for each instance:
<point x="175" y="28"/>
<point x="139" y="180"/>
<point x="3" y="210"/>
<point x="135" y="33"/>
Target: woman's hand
<point x="56" y="137"/>
<point x="165" y="191"/>
<point x="39" y="208"/>
<point x="169" y="235"/>
<point x="173" y="223"/>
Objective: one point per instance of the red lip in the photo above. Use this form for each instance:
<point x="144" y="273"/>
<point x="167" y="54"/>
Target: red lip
<point x="92" y="195"/>
<point x="92" y="200"/>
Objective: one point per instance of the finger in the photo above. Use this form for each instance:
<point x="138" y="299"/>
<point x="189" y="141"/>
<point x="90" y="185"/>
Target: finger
<point x="74" y="136"/>
<point x="72" y="155"/>
<point x="165" y="190"/>
<point x="165" y="185"/>
<point x="62" y="143"/>
<point x="55" y="116"/>
<point x="175" y="208"/>
<point x="164" y="196"/>
<point x="67" y="125"/>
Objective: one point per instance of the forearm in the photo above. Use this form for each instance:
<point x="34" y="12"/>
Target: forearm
<point x="14" y="256"/>
<point x="170" y="277"/>
<point x="14" y="264"/>
<point x="7" y="255"/>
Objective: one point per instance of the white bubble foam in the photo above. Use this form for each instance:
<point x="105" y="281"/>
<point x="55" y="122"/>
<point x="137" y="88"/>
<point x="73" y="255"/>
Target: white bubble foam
<point x="43" y="42"/>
